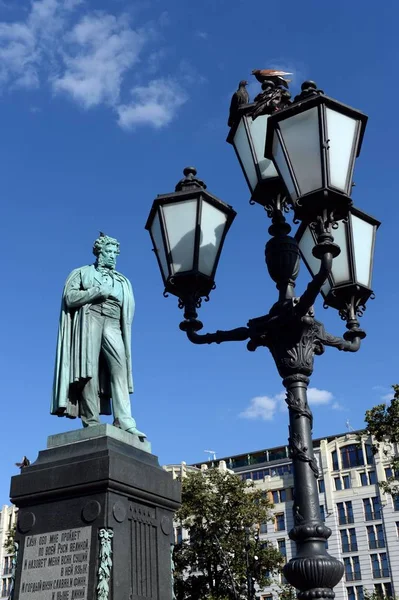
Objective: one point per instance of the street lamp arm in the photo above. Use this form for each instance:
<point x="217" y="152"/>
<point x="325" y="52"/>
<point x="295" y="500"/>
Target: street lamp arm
<point x="313" y="289"/>
<point x="233" y="335"/>
<point x="349" y="343"/>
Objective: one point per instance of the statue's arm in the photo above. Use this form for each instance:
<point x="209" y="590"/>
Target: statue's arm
<point x="75" y="297"/>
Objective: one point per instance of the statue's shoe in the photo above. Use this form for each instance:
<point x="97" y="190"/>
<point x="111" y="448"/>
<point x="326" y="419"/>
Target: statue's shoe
<point x="135" y="431"/>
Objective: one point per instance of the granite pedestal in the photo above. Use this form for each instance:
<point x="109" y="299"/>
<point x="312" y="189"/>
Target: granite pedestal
<point x="95" y="520"/>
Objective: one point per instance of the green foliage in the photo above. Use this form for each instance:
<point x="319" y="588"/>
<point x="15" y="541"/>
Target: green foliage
<point x="9" y="541"/>
<point x="382" y="422"/>
<point x="286" y="592"/>
<point x="221" y="514"/>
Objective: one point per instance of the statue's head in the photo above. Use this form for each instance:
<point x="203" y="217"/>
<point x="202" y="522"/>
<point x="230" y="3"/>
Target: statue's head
<point x="106" y="249"/>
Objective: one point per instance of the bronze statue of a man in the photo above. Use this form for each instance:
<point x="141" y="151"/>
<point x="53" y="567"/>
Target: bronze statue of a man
<point x="93" y="362"/>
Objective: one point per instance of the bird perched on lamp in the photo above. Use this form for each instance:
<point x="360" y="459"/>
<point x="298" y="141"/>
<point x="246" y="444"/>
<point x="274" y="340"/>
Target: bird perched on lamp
<point x="274" y="95"/>
<point x="239" y="98"/>
<point x="278" y="77"/>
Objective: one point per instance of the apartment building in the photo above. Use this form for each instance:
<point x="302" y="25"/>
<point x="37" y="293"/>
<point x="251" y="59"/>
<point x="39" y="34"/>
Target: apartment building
<point x="8" y="518"/>
<point x="364" y="521"/>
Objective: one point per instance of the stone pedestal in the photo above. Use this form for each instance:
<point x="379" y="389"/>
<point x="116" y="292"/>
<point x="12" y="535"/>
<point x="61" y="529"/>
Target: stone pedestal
<point x="95" y="520"/>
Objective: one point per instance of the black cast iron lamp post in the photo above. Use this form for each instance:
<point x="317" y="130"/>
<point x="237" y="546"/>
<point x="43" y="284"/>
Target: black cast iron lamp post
<point x="340" y="270"/>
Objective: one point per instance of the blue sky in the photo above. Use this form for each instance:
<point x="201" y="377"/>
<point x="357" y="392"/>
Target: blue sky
<point x="101" y="107"/>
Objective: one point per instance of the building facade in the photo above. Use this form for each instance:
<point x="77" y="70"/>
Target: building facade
<point x="364" y="521"/>
<point x="8" y="519"/>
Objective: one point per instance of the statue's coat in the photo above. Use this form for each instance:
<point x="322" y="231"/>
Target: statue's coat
<point x="73" y="357"/>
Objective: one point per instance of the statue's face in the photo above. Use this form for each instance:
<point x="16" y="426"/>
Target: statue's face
<point x="108" y="254"/>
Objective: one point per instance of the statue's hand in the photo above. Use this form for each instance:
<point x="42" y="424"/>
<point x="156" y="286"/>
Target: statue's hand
<point x="104" y="291"/>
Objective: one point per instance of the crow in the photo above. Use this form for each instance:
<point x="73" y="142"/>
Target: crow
<point x="239" y="98"/>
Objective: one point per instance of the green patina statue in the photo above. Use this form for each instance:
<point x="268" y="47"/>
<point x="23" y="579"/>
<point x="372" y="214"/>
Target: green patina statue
<point x="93" y="362"/>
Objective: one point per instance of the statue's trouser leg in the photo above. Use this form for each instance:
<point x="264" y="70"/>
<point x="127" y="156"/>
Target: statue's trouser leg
<point x="89" y="406"/>
<point x="114" y="353"/>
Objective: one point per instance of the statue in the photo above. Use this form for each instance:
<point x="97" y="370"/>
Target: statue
<point x="93" y="361"/>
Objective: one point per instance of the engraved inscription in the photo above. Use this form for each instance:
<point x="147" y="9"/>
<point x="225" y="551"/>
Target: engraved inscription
<point x="56" y="565"/>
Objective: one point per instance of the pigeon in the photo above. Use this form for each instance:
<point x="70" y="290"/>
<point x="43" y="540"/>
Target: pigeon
<point x="271" y="98"/>
<point x="271" y="75"/>
<point x="25" y="462"/>
<point x="239" y="98"/>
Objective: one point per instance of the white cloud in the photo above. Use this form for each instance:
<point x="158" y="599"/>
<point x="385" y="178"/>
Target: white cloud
<point x="154" y="104"/>
<point x="89" y="58"/>
<point x="101" y="48"/>
<point x="261" y="407"/>
<point x="316" y="396"/>
<point x="266" y="407"/>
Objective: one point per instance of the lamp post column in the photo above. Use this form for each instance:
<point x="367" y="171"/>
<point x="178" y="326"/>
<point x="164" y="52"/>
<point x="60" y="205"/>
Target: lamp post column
<point x="293" y="340"/>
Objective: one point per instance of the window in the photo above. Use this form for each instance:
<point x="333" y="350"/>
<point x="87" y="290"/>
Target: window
<point x="178" y="535"/>
<point x="396" y="502"/>
<point x="322" y="512"/>
<point x="321" y="485"/>
<point x="369" y="454"/>
<point x="282" y="547"/>
<point x="4" y="588"/>
<point x="372" y="508"/>
<point x="383" y="590"/>
<point x="352" y="456"/>
<point x="368" y="478"/>
<point x="372" y="477"/>
<point x="379" y="565"/>
<point x="263" y="528"/>
<point x="355" y="592"/>
<point x="342" y="483"/>
<point x="388" y="472"/>
<point x="348" y="540"/>
<point x="397" y="527"/>
<point x="280" y="522"/>
<point x="279" y="496"/>
<point x="352" y="568"/>
<point x="346" y="480"/>
<point x="376" y="536"/>
<point x="334" y="458"/>
<point x="345" y="513"/>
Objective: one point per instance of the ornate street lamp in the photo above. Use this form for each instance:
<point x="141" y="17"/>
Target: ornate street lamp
<point x="248" y="137"/>
<point x="188" y="229"/>
<point x="314" y="142"/>
<point x="348" y="286"/>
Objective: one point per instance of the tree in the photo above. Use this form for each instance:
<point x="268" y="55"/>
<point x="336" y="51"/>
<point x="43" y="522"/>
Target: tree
<point x="223" y="554"/>
<point x="9" y="543"/>
<point x="382" y="422"/>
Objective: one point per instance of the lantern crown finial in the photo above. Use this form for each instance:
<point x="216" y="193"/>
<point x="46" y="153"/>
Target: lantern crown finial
<point x="189" y="180"/>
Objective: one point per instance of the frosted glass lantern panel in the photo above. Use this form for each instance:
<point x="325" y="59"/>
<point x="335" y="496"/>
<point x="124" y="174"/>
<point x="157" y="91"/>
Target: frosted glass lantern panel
<point x="159" y="247"/>
<point x="341" y="269"/>
<point x="244" y="151"/>
<point x="306" y="245"/>
<point x="301" y="138"/>
<point x="258" y="130"/>
<point x="281" y="163"/>
<point x="341" y="135"/>
<point x="363" y="236"/>
<point x="180" y="223"/>
<point x="213" y="223"/>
